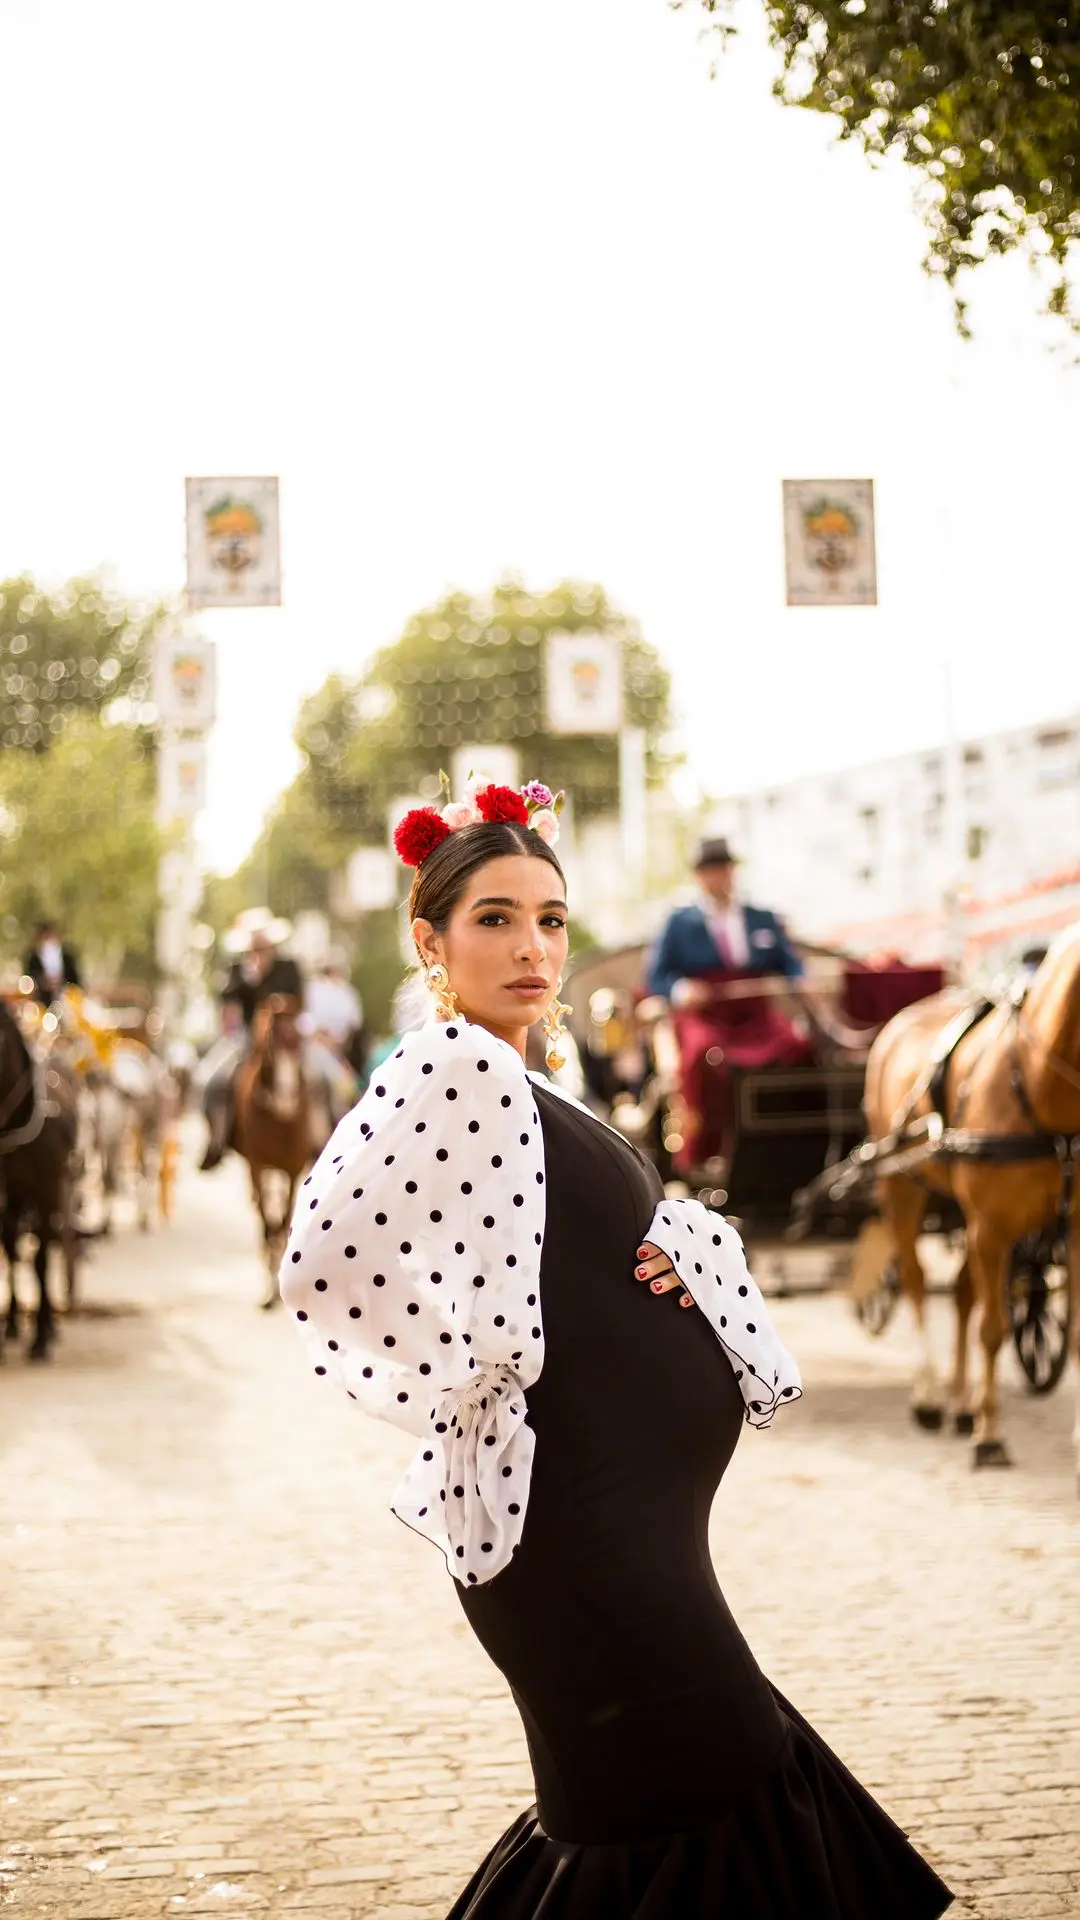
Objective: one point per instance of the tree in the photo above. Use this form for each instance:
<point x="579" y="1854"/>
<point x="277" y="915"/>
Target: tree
<point x="465" y="672"/>
<point x="981" y="96"/>
<point x="79" y="843"/>
<point x="78" y="650"/>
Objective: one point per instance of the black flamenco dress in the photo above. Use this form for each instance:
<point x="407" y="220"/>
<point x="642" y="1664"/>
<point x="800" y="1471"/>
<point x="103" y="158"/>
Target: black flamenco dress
<point x="672" y="1781"/>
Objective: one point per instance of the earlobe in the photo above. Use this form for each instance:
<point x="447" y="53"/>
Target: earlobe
<point x="427" y="942"/>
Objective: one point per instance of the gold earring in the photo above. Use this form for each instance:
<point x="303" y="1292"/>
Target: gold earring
<point x="438" y="981"/>
<point x="555" y="1058"/>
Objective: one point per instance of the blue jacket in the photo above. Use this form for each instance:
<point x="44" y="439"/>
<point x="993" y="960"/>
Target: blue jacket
<point x="686" y="949"/>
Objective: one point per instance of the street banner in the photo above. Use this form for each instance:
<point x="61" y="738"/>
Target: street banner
<point x="181" y="779"/>
<point x="185" y="683"/>
<point x="371" y="879"/>
<point x="233" y="547"/>
<point x="502" y="765"/>
<point x="829" y="543"/>
<point x="583" y="683"/>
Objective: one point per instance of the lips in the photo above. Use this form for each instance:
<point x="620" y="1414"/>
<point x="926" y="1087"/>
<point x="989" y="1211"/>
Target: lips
<point x="531" y="983"/>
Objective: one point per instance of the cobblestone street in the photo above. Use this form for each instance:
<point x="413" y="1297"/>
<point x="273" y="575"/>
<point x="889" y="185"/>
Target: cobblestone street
<point x="225" y="1662"/>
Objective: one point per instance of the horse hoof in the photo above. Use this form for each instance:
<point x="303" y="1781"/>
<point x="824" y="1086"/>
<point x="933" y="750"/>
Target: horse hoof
<point x="990" y="1453"/>
<point x="928" y="1418"/>
<point x="39" y="1351"/>
<point x="964" y="1423"/>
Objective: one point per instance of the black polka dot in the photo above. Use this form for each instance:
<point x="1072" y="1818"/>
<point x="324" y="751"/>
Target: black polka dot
<point x="314" y="1204"/>
<point x="301" y="1315"/>
<point x="460" y="1551"/>
<point x="320" y="1369"/>
<point x="665" y="1220"/>
<point x="459" y="1493"/>
<point x="354" y="1313"/>
<point x="436" y="1215"/>
<point x="307" y="1182"/>
<point x="440" y="1426"/>
<point x="403" y="1396"/>
<point x="436" y="1277"/>
<point x="489" y="1219"/>
<point x="378" y="1279"/>
<point x="506" y="1472"/>
<point x="466" y="1187"/>
<point x="738" y="1373"/>
<point x="513" y="1507"/>
<point x="410" y="1186"/>
<point x="538" y="1237"/>
<point x="511" y="1259"/>
<point x="519" y="1199"/>
<point x="399" y="1103"/>
<point x="350" y="1253"/>
<point x="451" y="1033"/>
<point x="539" y="1179"/>
<point x="368" y="1372"/>
<point x="358" y="1193"/>
<point x="485" y="1546"/>
<point x="406" y="1246"/>
<point x="422" y="1510"/>
<point x="505" y="1101"/>
<point x="429" y="1455"/>
<point x="750" y="1328"/>
<point x="478" y="1279"/>
<point x="531" y="1300"/>
<point x="523" y="1140"/>
<point x="424" y="1367"/>
<point x="320" y="1286"/>
<point x="451" y="1093"/>
<point x="389" y="1161"/>
<point x="399" y="1053"/>
<point x="788" y="1390"/>
<point x="420" y="1127"/>
<point x="380" y="1219"/>
<point x="472" y="1580"/>
<point x="536" y="1333"/>
<point x="489" y="1441"/>
<point x="445" y="1338"/>
<point x="427" y="1067"/>
<point x="388" y="1340"/>
<point x="380" y="1091"/>
<point x="755" y="1406"/>
<point x="295" y="1258"/>
<point x="481" y="1066"/>
<point x="459" y="1246"/>
<point x="326" y="1225"/>
<point x="441" y="1154"/>
<point x="697" y="1266"/>
<point x="500" y="1319"/>
<point x="474" y="1126"/>
<point x="743" y="1291"/>
<point x="723" y="1319"/>
<point x="412" y="1307"/>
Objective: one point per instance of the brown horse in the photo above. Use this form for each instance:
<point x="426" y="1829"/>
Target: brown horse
<point x="1016" y="1073"/>
<point x="38" y="1133"/>
<point x="275" y="1120"/>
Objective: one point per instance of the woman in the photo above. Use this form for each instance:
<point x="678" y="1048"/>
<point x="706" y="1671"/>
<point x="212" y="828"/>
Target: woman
<point x="480" y="1260"/>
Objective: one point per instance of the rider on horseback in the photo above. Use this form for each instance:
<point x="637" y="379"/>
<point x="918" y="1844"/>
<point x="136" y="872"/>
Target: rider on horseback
<point x="253" y="977"/>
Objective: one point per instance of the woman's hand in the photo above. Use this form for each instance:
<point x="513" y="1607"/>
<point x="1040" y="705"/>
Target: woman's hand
<point x="655" y="1267"/>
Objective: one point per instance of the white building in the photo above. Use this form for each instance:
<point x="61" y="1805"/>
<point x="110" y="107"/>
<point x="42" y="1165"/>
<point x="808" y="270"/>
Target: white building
<point x="867" y="856"/>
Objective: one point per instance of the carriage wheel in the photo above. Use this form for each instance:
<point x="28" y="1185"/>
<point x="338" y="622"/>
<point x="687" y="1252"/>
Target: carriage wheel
<point x="876" y="1309"/>
<point x="1040" y="1309"/>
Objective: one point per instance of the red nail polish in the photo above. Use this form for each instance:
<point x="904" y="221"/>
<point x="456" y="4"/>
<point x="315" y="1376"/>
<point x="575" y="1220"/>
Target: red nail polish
<point x="687" y="1300"/>
<point x="657" y="1286"/>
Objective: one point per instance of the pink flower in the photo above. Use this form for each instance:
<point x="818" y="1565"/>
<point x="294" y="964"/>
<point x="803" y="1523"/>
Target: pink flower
<point x="545" y="824"/>
<point x="459" y="814"/>
<point x="475" y="783"/>
<point x="537" y="794"/>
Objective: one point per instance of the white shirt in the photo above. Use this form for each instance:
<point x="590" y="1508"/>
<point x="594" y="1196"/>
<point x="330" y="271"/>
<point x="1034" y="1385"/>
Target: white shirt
<point x="52" y="962"/>
<point x="729" y="923"/>
<point x="413" y="1266"/>
<point x="333" y="1007"/>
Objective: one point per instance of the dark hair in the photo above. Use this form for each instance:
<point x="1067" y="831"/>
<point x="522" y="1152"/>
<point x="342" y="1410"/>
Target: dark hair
<point x="441" y="880"/>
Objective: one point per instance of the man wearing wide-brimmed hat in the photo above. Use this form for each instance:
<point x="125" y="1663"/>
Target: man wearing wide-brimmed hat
<point x="258" y="970"/>
<point x="715" y="944"/>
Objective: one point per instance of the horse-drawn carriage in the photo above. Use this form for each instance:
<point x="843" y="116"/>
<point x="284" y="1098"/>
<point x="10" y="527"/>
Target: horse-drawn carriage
<point x="797" y="1171"/>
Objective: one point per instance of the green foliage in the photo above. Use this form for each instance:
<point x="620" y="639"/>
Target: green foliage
<point x="981" y="96"/>
<point x="74" y="651"/>
<point x="468" y="672"/>
<point x="78" y="843"/>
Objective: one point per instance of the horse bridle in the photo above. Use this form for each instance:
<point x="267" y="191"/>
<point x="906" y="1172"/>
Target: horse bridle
<point x="31" y="1081"/>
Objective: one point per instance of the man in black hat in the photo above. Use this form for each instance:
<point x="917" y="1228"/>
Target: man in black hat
<point x="717" y="932"/>
<point x="50" y="964"/>
<point x="704" y="948"/>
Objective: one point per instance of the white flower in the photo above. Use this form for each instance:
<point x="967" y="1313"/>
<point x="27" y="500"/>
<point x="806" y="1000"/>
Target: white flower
<point x="545" y="824"/>
<point x="460" y="813"/>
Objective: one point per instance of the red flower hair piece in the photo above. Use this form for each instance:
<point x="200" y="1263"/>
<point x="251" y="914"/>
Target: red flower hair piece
<point x="495" y="804"/>
<point x="418" y="834"/>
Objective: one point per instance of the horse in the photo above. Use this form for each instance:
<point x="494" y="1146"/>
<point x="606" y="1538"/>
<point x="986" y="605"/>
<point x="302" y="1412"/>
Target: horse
<point x="1013" y="1075"/>
<point x="133" y="1106"/>
<point x="38" y="1173"/>
<point x="275" y="1120"/>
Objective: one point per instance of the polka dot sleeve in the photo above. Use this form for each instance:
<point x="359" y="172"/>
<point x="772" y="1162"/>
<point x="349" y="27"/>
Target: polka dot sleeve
<point x="412" y="1270"/>
<point x="708" y="1256"/>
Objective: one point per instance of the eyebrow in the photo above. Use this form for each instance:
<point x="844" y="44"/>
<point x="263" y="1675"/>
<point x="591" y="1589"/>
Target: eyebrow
<point x="494" y="901"/>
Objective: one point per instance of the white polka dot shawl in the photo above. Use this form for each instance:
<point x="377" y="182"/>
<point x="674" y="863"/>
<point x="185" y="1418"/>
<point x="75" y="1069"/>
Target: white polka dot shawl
<point x="413" y="1268"/>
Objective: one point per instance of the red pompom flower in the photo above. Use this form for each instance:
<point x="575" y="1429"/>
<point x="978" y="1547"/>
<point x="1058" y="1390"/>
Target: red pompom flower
<point x="418" y="834"/>
<point x="502" y="803"/>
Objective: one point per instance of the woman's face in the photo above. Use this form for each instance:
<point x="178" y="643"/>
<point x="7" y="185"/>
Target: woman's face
<point x="505" y="944"/>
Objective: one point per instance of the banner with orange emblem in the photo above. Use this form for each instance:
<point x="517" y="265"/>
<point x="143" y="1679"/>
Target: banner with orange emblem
<point x="233" y="544"/>
<point x="829" y="543"/>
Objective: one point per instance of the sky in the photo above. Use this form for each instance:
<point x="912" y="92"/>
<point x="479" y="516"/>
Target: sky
<point x="496" y="287"/>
